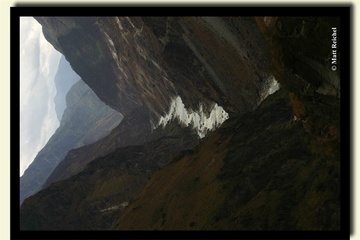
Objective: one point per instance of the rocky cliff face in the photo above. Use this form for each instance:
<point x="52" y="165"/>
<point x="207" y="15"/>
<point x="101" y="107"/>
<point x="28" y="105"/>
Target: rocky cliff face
<point x="85" y="120"/>
<point x="134" y="61"/>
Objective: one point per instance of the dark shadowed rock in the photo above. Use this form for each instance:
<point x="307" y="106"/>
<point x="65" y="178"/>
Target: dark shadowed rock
<point x="134" y="61"/>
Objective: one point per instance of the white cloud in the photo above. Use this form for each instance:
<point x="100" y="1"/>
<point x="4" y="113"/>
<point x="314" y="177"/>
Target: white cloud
<point x="39" y="62"/>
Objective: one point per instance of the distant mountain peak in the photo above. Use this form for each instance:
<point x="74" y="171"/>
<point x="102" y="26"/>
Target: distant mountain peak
<point x="64" y="79"/>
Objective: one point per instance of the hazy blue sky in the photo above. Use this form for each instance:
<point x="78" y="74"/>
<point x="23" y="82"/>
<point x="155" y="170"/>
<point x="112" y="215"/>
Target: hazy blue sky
<point x="39" y="62"/>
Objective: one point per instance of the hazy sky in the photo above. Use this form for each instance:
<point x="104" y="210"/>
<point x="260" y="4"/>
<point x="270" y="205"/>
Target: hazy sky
<point x="39" y="62"/>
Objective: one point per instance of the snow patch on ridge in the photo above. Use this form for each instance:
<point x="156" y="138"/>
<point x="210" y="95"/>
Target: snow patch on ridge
<point x="271" y="87"/>
<point x="197" y="119"/>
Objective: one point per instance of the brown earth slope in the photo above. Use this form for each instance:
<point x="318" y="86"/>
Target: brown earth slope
<point x="257" y="172"/>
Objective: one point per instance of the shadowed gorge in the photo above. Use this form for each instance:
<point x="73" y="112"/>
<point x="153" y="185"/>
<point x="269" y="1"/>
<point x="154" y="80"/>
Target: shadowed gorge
<point x="229" y="123"/>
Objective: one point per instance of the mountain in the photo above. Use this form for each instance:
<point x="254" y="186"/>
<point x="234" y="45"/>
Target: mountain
<point x="85" y="120"/>
<point x="128" y="72"/>
<point x="64" y="79"/>
<point x="135" y="61"/>
<point x="230" y="123"/>
<point x="92" y="199"/>
<point x="134" y="129"/>
<point x="258" y="171"/>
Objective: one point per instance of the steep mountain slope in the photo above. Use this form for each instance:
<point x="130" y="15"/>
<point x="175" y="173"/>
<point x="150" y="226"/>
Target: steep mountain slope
<point x="259" y="171"/>
<point x="135" y="129"/>
<point x="85" y="120"/>
<point x="93" y="198"/>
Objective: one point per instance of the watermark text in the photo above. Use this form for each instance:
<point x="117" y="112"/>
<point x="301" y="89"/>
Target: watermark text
<point x="334" y="49"/>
